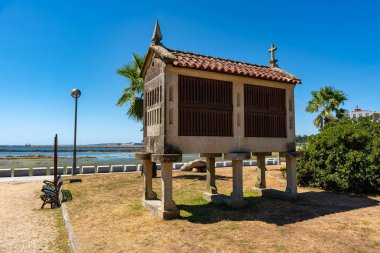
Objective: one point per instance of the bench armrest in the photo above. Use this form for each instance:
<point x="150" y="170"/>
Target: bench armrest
<point x="49" y="183"/>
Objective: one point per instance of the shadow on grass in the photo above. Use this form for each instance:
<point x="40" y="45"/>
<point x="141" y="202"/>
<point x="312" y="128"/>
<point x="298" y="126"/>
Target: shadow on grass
<point x="307" y="206"/>
<point x="200" y="177"/>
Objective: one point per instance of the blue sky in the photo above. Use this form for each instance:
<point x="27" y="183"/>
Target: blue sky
<point x="48" y="48"/>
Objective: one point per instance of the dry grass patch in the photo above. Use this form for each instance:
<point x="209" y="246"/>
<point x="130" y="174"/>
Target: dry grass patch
<point x="107" y="216"/>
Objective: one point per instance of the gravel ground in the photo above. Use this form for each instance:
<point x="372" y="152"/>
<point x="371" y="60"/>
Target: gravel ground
<point x="24" y="227"/>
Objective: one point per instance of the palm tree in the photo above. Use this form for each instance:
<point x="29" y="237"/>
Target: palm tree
<point x="134" y="93"/>
<point x="327" y="102"/>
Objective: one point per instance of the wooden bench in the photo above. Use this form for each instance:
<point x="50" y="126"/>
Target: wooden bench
<point x="52" y="193"/>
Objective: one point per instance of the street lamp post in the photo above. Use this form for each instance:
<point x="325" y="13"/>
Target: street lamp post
<point x="75" y="93"/>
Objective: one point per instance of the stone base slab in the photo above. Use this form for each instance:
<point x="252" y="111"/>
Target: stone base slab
<point x="272" y="193"/>
<point x="154" y="206"/>
<point x="143" y="156"/>
<point x="223" y="199"/>
<point x="262" y="153"/>
<point x="210" y="155"/>
<point x="237" y="156"/>
<point x="167" y="158"/>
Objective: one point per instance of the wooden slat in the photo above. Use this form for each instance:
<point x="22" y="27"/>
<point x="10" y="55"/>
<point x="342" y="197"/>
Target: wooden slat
<point x="264" y="111"/>
<point x="205" y="107"/>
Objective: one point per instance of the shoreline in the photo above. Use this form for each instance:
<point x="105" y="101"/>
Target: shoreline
<point x="68" y="151"/>
<point x="39" y="157"/>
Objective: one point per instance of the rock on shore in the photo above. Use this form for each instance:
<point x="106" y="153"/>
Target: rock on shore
<point x="195" y="166"/>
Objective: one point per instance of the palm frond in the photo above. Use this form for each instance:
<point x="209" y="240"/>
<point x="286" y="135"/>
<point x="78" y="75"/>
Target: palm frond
<point x="136" y="109"/>
<point x="133" y="95"/>
<point x="327" y="101"/>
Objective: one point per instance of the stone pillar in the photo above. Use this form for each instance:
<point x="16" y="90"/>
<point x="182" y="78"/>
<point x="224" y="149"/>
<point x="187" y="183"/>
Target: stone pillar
<point x="261" y="182"/>
<point x="210" y="185"/>
<point x="236" y="198"/>
<point x="237" y="185"/>
<point x="147" y="175"/>
<point x="167" y="203"/>
<point x="148" y="193"/>
<point x="166" y="207"/>
<point x="291" y="179"/>
<point x="210" y="182"/>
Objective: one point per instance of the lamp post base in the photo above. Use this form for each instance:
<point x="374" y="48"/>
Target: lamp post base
<point x="75" y="180"/>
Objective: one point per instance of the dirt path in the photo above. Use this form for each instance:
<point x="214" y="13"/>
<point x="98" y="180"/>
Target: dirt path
<point x="24" y="227"/>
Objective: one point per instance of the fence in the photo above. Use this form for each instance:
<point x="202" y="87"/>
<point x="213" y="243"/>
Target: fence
<point x="91" y="169"/>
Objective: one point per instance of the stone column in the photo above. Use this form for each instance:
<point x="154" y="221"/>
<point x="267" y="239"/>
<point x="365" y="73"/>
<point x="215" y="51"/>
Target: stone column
<point x="291" y="179"/>
<point x="167" y="203"/>
<point x="166" y="208"/>
<point x="148" y="193"/>
<point x="210" y="182"/>
<point x="236" y="198"/>
<point x="237" y="185"/>
<point x="210" y="185"/>
<point x="261" y="182"/>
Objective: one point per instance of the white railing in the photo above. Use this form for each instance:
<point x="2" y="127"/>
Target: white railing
<point x="91" y="169"/>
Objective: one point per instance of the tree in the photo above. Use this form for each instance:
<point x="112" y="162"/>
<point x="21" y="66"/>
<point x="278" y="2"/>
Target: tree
<point x="134" y="93"/>
<point x="327" y="102"/>
<point x="301" y="138"/>
<point x="343" y="157"/>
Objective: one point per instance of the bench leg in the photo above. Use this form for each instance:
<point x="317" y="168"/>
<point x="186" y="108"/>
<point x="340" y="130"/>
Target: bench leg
<point x="43" y="198"/>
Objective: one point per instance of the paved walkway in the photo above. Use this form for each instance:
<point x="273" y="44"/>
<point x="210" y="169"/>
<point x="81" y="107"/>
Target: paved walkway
<point x="24" y="227"/>
<point x="27" y="179"/>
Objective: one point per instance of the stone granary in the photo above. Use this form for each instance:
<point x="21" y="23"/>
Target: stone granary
<point x="213" y="107"/>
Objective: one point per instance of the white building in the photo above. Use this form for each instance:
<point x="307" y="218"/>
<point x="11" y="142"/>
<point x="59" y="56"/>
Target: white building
<point x="357" y="113"/>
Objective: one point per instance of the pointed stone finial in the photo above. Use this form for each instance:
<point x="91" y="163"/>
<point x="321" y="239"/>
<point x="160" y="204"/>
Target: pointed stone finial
<point x="272" y="61"/>
<point x="157" y="36"/>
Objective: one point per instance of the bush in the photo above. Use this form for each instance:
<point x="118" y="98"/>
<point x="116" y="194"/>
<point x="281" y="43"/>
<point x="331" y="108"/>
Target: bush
<point x="344" y="157"/>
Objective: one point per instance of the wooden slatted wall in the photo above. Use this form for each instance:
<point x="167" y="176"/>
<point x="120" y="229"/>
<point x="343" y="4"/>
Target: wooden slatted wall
<point x="205" y="107"/>
<point x="265" y="111"/>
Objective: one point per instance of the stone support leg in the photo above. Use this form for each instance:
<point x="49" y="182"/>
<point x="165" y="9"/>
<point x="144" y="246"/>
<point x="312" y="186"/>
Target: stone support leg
<point x="211" y="190"/>
<point x="237" y="174"/>
<point x="211" y="186"/>
<point x="261" y="182"/>
<point x="236" y="199"/>
<point x="149" y="194"/>
<point x="167" y="203"/>
<point x="164" y="208"/>
<point x="291" y="179"/>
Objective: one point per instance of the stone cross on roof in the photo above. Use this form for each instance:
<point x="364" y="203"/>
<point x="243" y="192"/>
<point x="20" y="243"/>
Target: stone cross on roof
<point x="157" y="36"/>
<point x="273" y="61"/>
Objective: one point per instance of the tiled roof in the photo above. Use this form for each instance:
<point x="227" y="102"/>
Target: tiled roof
<point x="214" y="64"/>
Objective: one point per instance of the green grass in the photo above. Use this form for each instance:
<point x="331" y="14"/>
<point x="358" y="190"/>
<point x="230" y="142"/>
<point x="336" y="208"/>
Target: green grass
<point x="109" y="203"/>
<point x="61" y="242"/>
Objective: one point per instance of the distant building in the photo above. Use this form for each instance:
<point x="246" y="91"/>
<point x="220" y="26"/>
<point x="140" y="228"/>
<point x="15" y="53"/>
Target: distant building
<point x="357" y="113"/>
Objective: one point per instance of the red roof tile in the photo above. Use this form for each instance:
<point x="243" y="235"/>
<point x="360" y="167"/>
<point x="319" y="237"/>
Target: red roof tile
<point x="214" y="64"/>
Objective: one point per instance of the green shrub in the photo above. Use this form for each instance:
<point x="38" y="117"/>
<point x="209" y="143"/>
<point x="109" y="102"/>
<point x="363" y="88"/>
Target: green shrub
<point x="344" y="157"/>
